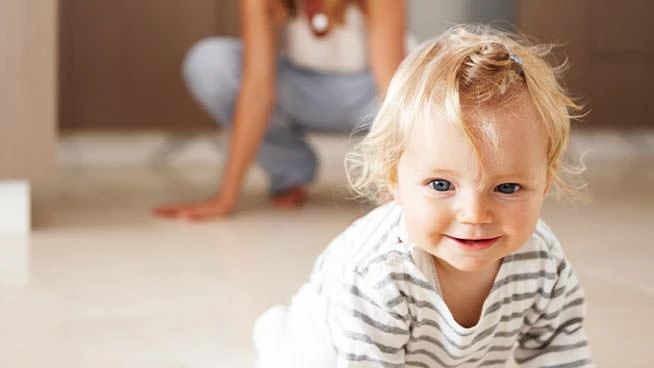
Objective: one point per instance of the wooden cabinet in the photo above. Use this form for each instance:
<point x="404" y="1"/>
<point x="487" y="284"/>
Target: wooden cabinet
<point x="121" y="59"/>
<point x="611" y="51"/>
<point x="28" y="52"/>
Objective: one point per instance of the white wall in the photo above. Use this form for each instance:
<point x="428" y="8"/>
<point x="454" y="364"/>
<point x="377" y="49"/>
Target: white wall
<point x="430" y="17"/>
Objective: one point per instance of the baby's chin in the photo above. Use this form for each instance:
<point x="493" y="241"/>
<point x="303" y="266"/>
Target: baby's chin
<point x="472" y="265"/>
<point x="466" y="262"/>
<point x="460" y="260"/>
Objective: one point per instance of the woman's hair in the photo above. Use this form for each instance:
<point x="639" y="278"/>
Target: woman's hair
<point x="335" y="9"/>
<point x="466" y="69"/>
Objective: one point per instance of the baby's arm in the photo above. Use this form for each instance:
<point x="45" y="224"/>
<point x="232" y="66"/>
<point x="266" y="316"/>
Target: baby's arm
<point x="556" y="336"/>
<point x="370" y="324"/>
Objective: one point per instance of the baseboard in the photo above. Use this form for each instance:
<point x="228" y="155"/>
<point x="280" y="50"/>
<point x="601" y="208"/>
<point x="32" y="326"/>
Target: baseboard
<point x="155" y="148"/>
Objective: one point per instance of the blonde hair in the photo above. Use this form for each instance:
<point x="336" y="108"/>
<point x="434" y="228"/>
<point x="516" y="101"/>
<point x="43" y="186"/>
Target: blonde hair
<point x="467" y="68"/>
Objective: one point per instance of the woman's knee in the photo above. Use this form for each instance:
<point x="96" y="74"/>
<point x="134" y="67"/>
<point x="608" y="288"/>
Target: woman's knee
<point x="212" y="56"/>
<point x="211" y="70"/>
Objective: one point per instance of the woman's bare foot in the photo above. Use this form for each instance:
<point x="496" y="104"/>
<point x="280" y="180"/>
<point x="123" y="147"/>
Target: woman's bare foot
<point x="292" y="198"/>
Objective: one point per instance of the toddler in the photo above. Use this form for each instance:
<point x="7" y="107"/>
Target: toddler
<point x="457" y="270"/>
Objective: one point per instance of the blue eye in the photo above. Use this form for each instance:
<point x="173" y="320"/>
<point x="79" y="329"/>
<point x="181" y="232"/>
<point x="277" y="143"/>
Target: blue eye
<point x="441" y="185"/>
<point x="507" y="188"/>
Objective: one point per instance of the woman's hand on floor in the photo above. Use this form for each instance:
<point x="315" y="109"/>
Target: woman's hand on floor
<point x="218" y="207"/>
<point x="197" y="211"/>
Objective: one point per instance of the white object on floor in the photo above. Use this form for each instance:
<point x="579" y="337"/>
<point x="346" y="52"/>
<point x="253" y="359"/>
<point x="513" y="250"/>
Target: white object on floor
<point x="15" y="214"/>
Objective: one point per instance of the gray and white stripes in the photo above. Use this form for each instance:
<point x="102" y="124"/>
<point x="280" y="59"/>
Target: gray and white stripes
<point x="381" y="310"/>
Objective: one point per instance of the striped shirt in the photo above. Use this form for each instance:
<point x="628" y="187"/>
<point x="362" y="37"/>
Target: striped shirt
<point x="383" y="311"/>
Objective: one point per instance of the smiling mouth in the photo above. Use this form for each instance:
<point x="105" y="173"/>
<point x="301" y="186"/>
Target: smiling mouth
<point x="480" y="243"/>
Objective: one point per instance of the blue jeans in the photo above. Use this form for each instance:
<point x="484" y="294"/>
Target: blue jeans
<point x="306" y="100"/>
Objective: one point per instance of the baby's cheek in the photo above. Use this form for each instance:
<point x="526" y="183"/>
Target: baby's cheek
<point x="522" y="219"/>
<point x="423" y="232"/>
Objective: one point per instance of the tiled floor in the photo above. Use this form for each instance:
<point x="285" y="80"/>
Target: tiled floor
<point x="101" y="284"/>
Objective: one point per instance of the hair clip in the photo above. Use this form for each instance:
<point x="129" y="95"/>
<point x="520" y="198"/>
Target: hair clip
<point x="516" y="59"/>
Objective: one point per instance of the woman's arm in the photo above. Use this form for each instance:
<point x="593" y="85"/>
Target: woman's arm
<point x="387" y="29"/>
<point x="251" y="113"/>
<point x="256" y="97"/>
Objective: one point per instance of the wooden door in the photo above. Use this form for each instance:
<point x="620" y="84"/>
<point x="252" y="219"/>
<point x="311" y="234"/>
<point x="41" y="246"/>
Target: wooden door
<point x="611" y="52"/>
<point x="121" y="59"/>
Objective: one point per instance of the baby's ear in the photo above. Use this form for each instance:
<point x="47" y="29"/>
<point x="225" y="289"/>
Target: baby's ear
<point x="392" y="195"/>
<point x="551" y="172"/>
<point x="393" y="188"/>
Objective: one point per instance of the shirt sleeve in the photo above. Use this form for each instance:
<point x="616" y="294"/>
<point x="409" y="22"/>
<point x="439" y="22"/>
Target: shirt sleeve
<point x="555" y="336"/>
<point x="370" y="324"/>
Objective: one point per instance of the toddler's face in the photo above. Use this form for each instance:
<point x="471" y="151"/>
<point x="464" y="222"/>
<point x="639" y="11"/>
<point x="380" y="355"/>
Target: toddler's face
<point x="471" y="213"/>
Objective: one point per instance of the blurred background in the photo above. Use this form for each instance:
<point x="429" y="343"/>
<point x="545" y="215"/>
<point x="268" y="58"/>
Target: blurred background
<point x="96" y="127"/>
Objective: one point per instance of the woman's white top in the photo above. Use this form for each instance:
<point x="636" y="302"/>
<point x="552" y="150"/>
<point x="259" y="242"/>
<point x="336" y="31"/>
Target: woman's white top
<point x="344" y="49"/>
